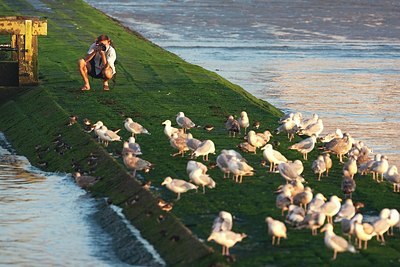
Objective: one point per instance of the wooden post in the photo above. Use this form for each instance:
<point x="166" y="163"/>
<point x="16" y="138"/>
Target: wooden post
<point x="24" y="32"/>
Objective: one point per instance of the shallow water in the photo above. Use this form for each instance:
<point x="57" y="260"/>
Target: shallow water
<point x="339" y="59"/>
<point x="47" y="220"/>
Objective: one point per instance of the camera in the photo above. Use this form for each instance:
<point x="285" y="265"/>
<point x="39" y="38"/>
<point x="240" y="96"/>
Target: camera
<point x="101" y="47"/>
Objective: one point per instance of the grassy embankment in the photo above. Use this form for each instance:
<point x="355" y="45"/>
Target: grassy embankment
<point x="154" y="85"/>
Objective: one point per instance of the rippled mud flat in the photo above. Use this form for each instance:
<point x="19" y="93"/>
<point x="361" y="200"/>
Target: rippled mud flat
<point x="339" y="60"/>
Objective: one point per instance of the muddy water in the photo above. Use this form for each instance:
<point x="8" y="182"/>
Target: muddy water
<point x="339" y="59"/>
<point x="47" y="220"/>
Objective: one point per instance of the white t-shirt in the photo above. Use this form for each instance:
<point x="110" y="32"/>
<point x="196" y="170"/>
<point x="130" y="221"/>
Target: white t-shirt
<point x="111" y="56"/>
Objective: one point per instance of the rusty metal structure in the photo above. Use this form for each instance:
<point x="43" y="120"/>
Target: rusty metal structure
<point x="23" y="46"/>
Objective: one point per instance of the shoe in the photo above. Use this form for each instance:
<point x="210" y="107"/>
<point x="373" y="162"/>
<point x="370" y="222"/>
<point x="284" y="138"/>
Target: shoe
<point x="106" y="88"/>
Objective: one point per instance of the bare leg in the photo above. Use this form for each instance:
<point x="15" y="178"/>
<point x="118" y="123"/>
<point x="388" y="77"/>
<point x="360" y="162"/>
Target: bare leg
<point x="84" y="69"/>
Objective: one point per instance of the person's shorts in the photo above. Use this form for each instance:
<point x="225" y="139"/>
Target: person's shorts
<point x="92" y="72"/>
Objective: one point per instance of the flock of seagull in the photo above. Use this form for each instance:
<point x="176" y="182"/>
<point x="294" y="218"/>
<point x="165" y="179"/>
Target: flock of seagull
<point x="304" y="208"/>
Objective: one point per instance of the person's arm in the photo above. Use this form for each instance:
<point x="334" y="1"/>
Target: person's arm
<point x="91" y="52"/>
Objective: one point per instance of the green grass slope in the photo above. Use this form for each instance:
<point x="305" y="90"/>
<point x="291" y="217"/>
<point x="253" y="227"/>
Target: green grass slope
<point x="154" y="85"/>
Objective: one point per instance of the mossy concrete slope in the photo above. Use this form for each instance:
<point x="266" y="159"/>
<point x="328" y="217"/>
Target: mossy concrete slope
<point x="153" y="85"/>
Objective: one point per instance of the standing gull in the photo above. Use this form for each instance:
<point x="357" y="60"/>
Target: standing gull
<point x="334" y="242"/>
<point x="184" y="121"/>
<point x="178" y="186"/>
<point x="168" y="129"/>
<point x="319" y="166"/>
<point x="288" y="172"/>
<point x="134" y="127"/>
<point x="206" y="147"/>
<point x="331" y="208"/>
<point x="232" y="125"/>
<point x="276" y="229"/>
<point x="273" y="156"/>
<point x="136" y="163"/>
<point x="340" y="146"/>
<point x="305" y="146"/>
<point x="244" y="121"/>
<point x="199" y="178"/>
<point x="226" y="239"/>
<point x="393" y="177"/>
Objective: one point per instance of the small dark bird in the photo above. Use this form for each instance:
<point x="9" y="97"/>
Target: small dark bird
<point x="85" y="181"/>
<point x="87" y="125"/>
<point x="146" y="185"/>
<point x="256" y="124"/>
<point x="208" y="127"/>
<point x="72" y="120"/>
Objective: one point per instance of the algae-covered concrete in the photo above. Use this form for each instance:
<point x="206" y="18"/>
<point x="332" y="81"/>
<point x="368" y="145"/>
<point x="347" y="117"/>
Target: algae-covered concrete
<point x="153" y="85"/>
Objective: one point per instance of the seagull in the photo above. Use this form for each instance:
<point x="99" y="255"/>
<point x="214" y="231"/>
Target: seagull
<point x="381" y="226"/>
<point x="347" y="211"/>
<point x="394" y="219"/>
<point x="351" y="166"/>
<point x="319" y="166"/>
<point x="244" y="121"/>
<point x="330" y="136"/>
<point x="192" y="143"/>
<point x="328" y="162"/>
<point x="284" y="199"/>
<point x="295" y="215"/>
<point x="136" y="163"/>
<point x="364" y="232"/>
<point x="340" y="146"/>
<point x="331" y="208"/>
<point x="198" y="178"/>
<point x="85" y="181"/>
<point x="134" y="127"/>
<point x="266" y="135"/>
<point x="302" y="199"/>
<point x="223" y="222"/>
<point x="315" y="128"/>
<point x="348" y="185"/>
<point x="246" y="147"/>
<point x="178" y="142"/>
<point x="297" y="117"/>
<point x="288" y="172"/>
<point x="273" y="156"/>
<point x="107" y="135"/>
<point x="316" y="204"/>
<point x="239" y="169"/>
<point x="289" y="126"/>
<point x="393" y="177"/>
<point x="305" y="123"/>
<point x="312" y="221"/>
<point x="305" y="146"/>
<point x="297" y="166"/>
<point x="226" y="239"/>
<point x="184" y="121"/>
<point x="206" y="147"/>
<point x="178" y="186"/>
<point x="276" y="229"/>
<point x="348" y="225"/>
<point x="334" y="242"/>
<point x="232" y="125"/>
<point x="168" y="129"/>
<point x="255" y="140"/>
<point x="132" y="147"/>
<point x="380" y="167"/>
<point x="193" y="165"/>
